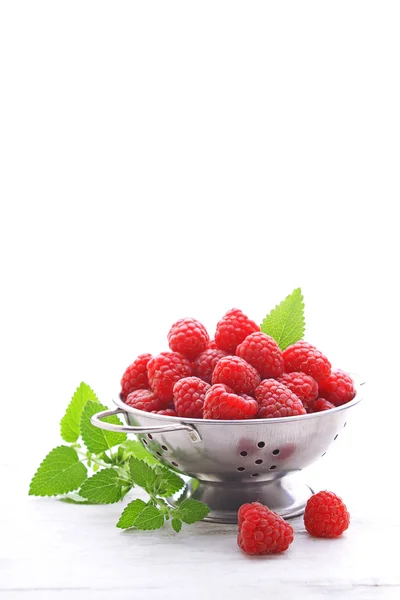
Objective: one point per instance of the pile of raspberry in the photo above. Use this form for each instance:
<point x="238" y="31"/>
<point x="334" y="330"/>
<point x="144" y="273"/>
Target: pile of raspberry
<point x="240" y="374"/>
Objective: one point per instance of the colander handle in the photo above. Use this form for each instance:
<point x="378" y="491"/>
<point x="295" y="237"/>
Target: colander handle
<point x="97" y="422"/>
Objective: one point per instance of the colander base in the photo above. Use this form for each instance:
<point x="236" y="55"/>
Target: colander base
<point x="286" y="496"/>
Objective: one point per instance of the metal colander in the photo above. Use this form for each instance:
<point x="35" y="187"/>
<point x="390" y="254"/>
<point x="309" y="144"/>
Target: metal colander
<point x="234" y="462"/>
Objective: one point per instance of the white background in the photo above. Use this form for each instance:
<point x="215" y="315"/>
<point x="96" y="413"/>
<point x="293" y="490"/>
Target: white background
<point x="169" y="159"/>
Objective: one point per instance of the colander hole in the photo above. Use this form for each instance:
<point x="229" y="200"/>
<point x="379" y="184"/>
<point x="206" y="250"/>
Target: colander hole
<point x="345" y="424"/>
<point x="164" y="447"/>
<point x="144" y="442"/>
<point x="275" y="452"/>
<point x="149" y="436"/>
<point x="159" y="454"/>
<point x="261" y="444"/>
<point x="335" y="437"/>
<point x="174" y="463"/>
<point x="240" y="468"/>
<point x="272" y="467"/>
<point x="255" y="474"/>
<point x="243" y="453"/>
<point x="259" y="461"/>
<point x="323" y="454"/>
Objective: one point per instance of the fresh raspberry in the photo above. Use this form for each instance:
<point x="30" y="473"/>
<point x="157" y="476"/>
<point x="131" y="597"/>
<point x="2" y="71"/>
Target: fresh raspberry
<point x="204" y="364"/>
<point x="144" y="400"/>
<point x="276" y="400"/>
<point x="211" y="345"/>
<point x="222" y="403"/>
<point x="189" y="394"/>
<point x="326" y="515"/>
<point x="263" y="353"/>
<point x="167" y="412"/>
<point x="164" y="371"/>
<point x="338" y="388"/>
<point x="304" y="357"/>
<point x="232" y="329"/>
<point x="319" y="405"/>
<point x="261" y="531"/>
<point x="304" y="386"/>
<point x="135" y="376"/>
<point x="236" y="373"/>
<point x="189" y="337"/>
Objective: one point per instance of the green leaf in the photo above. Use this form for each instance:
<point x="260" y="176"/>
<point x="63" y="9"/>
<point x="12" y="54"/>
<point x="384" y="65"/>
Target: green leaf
<point x="176" y="525"/>
<point x="169" y="482"/>
<point x="98" y="440"/>
<point x="60" y="472"/>
<point x="285" y="323"/>
<point x="142" y="474"/>
<point x="70" y="423"/>
<point x="75" y="498"/>
<point x="149" y="518"/>
<point x="103" y="487"/>
<point x="131" y="513"/>
<point x="191" y="511"/>
<point x="135" y="448"/>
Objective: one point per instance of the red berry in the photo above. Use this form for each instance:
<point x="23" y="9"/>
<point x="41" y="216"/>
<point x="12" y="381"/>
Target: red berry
<point x="167" y="412"/>
<point x="261" y="531"/>
<point x="189" y="337"/>
<point x="135" y="376"/>
<point x="338" y="388"/>
<point x="276" y="400"/>
<point x="144" y="400"/>
<point x="164" y="371"/>
<point x="326" y="515"/>
<point x="205" y="363"/>
<point x="236" y="373"/>
<point x="189" y="395"/>
<point x="232" y="329"/>
<point x="304" y="386"/>
<point x="263" y="353"/>
<point x="222" y="403"/>
<point x="304" y="357"/>
<point x="319" y="405"/>
<point x="211" y="345"/>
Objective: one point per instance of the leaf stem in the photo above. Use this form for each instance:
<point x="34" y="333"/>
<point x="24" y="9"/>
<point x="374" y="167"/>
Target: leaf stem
<point x="96" y="461"/>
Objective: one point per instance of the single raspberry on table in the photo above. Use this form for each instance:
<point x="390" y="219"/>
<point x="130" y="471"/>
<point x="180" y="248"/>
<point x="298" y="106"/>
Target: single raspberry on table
<point x="167" y="412"/>
<point x="338" y="388"/>
<point x="232" y="329"/>
<point x="304" y="357"/>
<point x="189" y="337"/>
<point x="221" y="403"/>
<point x="135" y="376"/>
<point x="144" y="400"/>
<point x="164" y="370"/>
<point x="204" y="364"/>
<point x="263" y="353"/>
<point x="326" y="515"/>
<point x="236" y="373"/>
<point x="189" y="395"/>
<point x="261" y="531"/>
<point x="276" y="400"/>
<point x="319" y="405"/>
<point x="304" y="386"/>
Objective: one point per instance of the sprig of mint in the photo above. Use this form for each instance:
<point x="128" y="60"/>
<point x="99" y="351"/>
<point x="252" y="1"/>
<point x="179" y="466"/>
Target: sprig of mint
<point x="101" y="467"/>
<point x="285" y="323"/>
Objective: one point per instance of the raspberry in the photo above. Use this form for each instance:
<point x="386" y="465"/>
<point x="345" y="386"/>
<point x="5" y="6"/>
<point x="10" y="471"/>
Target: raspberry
<point x="326" y="515"/>
<point x="222" y="403"/>
<point x="211" y="345"/>
<point x="205" y="363"/>
<point x="189" y="337"/>
<point x="338" y="388"/>
<point x="263" y="353"/>
<point x="319" y="405"/>
<point x="167" y="412"/>
<point x="261" y="531"/>
<point x="189" y="394"/>
<point x="164" y="371"/>
<point x="304" y="386"/>
<point x="236" y="373"/>
<point x="232" y="329"/>
<point x="304" y="357"/>
<point x="135" y="376"/>
<point x="144" y="400"/>
<point x="276" y="400"/>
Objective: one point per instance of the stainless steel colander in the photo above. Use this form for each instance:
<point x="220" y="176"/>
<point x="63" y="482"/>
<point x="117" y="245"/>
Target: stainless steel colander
<point x="234" y="462"/>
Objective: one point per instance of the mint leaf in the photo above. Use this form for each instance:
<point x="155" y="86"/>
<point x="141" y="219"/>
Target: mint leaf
<point x="285" y="323"/>
<point x="70" y="422"/>
<point x="149" y="518"/>
<point x="191" y="511"/>
<point x="169" y="482"/>
<point x="74" y="498"/>
<point x="102" y="488"/>
<point x="98" y="440"/>
<point x="142" y="474"/>
<point x="134" y="448"/>
<point x="130" y="513"/>
<point x="176" y="525"/>
<point x="59" y="473"/>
